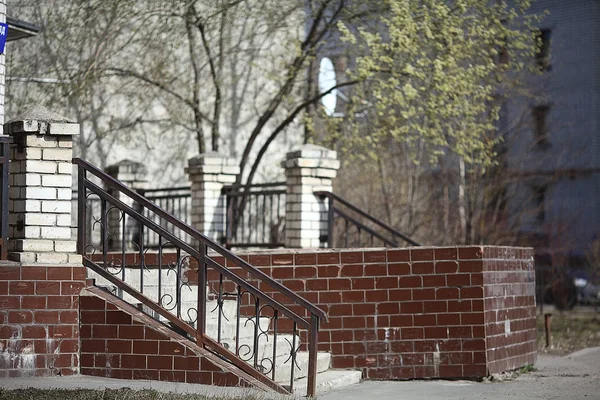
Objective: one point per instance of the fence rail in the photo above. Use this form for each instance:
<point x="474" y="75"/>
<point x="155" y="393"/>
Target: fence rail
<point x="4" y="161"/>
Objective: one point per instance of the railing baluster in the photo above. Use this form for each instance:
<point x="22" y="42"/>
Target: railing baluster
<point x="160" y="256"/>
<point x="346" y="233"/>
<point x="142" y="259"/>
<point x="123" y="254"/>
<point x="201" y="307"/>
<point x="256" y="330"/>
<point x="273" y="236"/>
<point x="275" y="321"/>
<point x="237" y="321"/>
<point x="103" y="232"/>
<point x="264" y="219"/>
<point x="178" y="282"/>
<point x="220" y="308"/>
<point x="293" y="358"/>
<point x="312" y="356"/>
<point x="330" y="243"/>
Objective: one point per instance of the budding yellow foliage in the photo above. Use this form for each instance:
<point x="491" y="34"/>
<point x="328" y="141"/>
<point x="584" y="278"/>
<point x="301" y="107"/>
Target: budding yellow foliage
<point x="432" y="71"/>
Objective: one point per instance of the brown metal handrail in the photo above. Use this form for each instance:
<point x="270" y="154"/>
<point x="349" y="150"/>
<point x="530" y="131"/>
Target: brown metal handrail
<point x="201" y="255"/>
<point x="4" y="160"/>
<point x="333" y="199"/>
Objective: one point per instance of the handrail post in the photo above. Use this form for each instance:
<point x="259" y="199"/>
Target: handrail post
<point x="312" y="357"/>
<point x="330" y="223"/>
<point x="201" y="307"/>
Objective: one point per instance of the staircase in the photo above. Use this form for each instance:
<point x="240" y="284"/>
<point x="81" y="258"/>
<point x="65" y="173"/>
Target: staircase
<point x="268" y="346"/>
<point x="230" y="316"/>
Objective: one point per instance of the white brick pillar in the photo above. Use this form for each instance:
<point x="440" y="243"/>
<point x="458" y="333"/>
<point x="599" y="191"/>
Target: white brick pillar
<point x="40" y="193"/>
<point x="311" y="168"/>
<point x="208" y="173"/>
<point x="133" y="175"/>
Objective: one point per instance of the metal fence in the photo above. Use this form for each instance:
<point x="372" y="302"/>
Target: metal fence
<point x="256" y="215"/>
<point x="4" y="159"/>
<point x="176" y="201"/>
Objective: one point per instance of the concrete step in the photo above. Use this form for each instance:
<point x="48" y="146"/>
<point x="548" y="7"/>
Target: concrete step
<point x="228" y="328"/>
<point x="246" y="331"/>
<point x="329" y="380"/>
<point x="283" y="369"/>
<point x="265" y="347"/>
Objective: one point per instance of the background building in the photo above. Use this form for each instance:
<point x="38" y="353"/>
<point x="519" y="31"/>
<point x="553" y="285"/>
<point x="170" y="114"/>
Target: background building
<point x="554" y="143"/>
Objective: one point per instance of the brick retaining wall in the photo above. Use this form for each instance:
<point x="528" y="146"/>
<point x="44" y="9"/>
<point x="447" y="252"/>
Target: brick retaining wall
<point x="39" y="324"/>
<point x="454" y="312"/>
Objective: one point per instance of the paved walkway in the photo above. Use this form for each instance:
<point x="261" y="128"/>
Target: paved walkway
<point x="576" y="376"/>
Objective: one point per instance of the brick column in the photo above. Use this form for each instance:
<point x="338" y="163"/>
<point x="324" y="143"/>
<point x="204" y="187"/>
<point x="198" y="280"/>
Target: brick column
<point x="309" y="169"/>
<point x="208" y="173"/>
<point x="133" y="175"/>
<point x="40" y="193"/>
<point x="39" y="294"/>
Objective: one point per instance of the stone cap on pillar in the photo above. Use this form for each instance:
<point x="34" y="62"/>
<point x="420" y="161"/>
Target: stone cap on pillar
<point x="311" y="156"/>
<point x="213" y="163"/>
<point x="128" y="171"/>
<point x="41" y="121"/>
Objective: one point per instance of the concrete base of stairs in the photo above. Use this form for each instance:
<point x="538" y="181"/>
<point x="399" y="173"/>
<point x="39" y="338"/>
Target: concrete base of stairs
<point x="327" y="380"/>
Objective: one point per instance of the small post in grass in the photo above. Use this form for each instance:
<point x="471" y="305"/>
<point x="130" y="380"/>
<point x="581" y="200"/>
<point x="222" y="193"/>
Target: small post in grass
<point x="547" y="320"/>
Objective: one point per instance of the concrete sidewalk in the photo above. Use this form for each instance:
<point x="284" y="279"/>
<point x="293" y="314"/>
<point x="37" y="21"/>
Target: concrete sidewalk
<point x="576" y="376"/>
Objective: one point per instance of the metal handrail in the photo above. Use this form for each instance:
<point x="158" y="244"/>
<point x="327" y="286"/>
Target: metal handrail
<point x="110" y="181"/>
<point x="185" y="249"/>
<point x="193" y="252"/>
<point x="335" y="198"/>
<point x="177" y="322"/>
<point x="365" y="228"/>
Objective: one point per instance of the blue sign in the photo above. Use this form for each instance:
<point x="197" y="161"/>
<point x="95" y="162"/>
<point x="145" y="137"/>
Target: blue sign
<point x="3" y="35"/>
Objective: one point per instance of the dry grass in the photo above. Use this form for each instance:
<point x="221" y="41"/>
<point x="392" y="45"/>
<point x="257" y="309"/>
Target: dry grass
<point x="108" y="394"/>
<point x="571" y="331"/>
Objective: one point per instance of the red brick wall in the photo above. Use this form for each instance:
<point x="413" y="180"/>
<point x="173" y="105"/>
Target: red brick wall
<point x="414" y="313"/>
<point x="122" y="342"/>
<point x="509" y="290"/>
<point x="39" y="331"/>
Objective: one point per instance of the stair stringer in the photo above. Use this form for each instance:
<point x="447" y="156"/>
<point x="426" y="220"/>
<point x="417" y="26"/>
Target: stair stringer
<point x="175" y="358"/>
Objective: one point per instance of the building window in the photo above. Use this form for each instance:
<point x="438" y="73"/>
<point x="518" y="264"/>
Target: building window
<point x="542" y="57"/>
<point x="539" y="199"/>
<point x="540" y="125"/>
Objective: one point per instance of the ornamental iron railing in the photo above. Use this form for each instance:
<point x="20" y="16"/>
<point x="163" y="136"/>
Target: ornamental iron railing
<point x="185" y="285"/>
<point x="350" y="227"/>
<point x="255" y="215"/>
